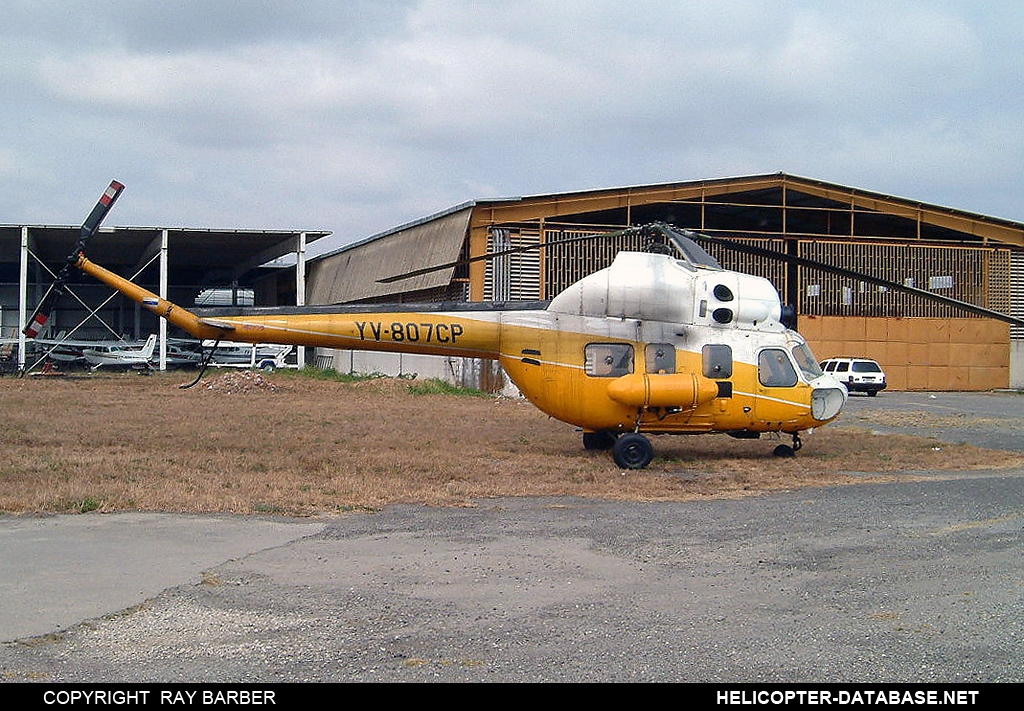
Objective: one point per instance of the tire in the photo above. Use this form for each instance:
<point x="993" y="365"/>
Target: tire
<point x="632" y="451"/>
<point x="784" y="450"/>
<point x="598" y="440"/>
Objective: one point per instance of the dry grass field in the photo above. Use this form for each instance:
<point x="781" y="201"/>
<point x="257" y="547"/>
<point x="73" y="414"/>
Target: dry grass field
<point x="292" y="444"/>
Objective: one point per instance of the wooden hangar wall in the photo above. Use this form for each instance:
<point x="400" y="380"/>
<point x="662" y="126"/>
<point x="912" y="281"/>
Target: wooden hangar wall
<point x="922" y="345"/>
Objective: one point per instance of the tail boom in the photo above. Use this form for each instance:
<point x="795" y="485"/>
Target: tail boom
<point x="473" y="334"/>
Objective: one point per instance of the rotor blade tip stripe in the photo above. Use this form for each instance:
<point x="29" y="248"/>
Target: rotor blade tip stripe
<point x="110" y="193"/>
<point x="36" y="326"/>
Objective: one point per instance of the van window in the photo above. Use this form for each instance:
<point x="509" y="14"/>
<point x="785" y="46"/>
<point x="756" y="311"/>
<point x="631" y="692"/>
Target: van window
<point x="842" y="366"/>
<point x="866" y="366"/>
<point x="608" y="360"/>
<point x="717" y="361"/>
<point x="774" y="369"/>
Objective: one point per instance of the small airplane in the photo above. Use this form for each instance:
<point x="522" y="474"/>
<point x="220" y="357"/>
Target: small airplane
<point x="659" y="342"/>
<point x="247" y="355"/>
<point x="64" y="349"/>
<point x="121" y="355"/>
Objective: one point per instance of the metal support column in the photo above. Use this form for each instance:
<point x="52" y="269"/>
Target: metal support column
<point x="300" y="286"/>
<point x="163" y="295"/>
<point x="22" y="298"/>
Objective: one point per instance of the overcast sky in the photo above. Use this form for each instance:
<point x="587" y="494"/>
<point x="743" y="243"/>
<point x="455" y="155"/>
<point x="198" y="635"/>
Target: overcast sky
<point x="358" y="115"/>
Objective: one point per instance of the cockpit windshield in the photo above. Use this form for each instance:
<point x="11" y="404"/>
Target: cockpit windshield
<point x="805" y="361"/>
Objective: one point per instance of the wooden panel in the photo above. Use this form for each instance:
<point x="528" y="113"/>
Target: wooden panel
<point x="921" y="354"/>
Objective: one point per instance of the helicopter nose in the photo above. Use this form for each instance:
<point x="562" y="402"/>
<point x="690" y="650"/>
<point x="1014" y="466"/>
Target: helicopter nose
<point x="827" y="398"/>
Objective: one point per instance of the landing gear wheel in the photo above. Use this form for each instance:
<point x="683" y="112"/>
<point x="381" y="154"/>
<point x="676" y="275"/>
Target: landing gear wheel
<point x="598" y="440"/>
<point x="785" y="450"/>
<point x="632" y="451"/>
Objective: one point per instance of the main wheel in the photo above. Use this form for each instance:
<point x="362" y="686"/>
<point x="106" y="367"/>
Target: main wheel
<point x="598" y="440"/>
<point x="784" y="450"/>
<point x="632" y="451"/>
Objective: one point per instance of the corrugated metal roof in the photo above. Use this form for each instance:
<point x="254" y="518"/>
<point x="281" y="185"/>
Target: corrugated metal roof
<point x="351" y="274"/>
<point x="128" y="246"/>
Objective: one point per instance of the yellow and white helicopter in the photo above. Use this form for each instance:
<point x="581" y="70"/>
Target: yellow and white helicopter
<point x="652" y="344"/>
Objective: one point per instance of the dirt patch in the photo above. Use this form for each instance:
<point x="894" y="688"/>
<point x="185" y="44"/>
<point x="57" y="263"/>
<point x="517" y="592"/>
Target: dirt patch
<point x="244" y="382"/>
<point x="284" y="443"/>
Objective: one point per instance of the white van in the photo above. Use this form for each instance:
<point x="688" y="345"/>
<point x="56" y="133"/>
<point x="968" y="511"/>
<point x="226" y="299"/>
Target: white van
<point x="858" y="374"/>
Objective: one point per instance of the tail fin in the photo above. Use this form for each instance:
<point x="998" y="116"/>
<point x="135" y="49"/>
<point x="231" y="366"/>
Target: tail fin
<point x="147" y="350"/>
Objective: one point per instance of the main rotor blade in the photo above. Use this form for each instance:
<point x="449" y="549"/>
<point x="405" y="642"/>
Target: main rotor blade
<point x="41" y="315"/>
<point x="685" y="242"/>
<point x="859" y="276"/>
<point x="656" y="232"/>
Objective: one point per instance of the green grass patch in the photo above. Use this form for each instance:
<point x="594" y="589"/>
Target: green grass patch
<point x="314" y="373"/>
<point x="87" y="504"/>
<point x="436" y="386"/>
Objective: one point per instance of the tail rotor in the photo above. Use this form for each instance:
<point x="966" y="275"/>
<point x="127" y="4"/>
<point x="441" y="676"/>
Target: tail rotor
<point x="90" y="227"/>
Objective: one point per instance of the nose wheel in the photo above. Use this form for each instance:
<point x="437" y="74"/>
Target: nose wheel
<point x="785" y="450"/>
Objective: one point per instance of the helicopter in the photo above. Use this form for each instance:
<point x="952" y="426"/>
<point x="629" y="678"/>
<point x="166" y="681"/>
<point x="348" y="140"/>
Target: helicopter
<point x="664" y="341"/>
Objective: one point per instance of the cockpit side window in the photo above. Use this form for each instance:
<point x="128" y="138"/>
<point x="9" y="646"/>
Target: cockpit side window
<point x="608" y="360"/>
<point x="775" y="370"/>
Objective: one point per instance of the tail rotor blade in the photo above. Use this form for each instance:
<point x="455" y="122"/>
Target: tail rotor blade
<point x="106" y="201"/>
<point x="37" y="323"/>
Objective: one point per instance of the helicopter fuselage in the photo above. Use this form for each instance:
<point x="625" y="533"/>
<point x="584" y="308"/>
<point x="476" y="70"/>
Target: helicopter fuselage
<point x="649" y="344"/>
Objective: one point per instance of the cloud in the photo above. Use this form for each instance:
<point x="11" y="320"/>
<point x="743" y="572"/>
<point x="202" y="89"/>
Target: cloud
<point x="358" y="116"/>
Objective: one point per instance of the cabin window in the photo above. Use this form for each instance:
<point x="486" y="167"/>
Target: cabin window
<point x="660" y="358"/>
<point x="717" y="361"/>
<point x="608" y="360"/>
<point x="775" y="370"/>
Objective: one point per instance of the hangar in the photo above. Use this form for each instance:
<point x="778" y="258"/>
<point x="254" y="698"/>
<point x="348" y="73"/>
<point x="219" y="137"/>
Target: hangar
<point x="177" y="263"/>
<point x="922" y="345"/>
